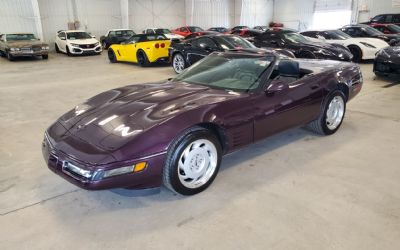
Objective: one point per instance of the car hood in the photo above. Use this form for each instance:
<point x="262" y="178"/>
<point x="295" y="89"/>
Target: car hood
<point x="83" y="41"/>
<point x="113" y="118"/>
<point x="174" y="36"/>
<point x="378" y="43"/>
<point x="391" y="54"/>
<point x="20" y="44"/>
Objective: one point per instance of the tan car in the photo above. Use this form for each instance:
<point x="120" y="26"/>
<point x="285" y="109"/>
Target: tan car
<point x="22" y="45"/>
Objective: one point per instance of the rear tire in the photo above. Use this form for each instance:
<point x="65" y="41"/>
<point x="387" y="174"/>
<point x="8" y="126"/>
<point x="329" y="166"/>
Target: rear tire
<point x="332" y="114"/>
<point x="357" y="53"/>
<point x="142" y="58"/>
<point x="111" y="56"/>
<point x="193" y="161"/>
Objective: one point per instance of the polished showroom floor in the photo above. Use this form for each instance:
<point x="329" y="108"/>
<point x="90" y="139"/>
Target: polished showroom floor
<point x="295" y="190"/>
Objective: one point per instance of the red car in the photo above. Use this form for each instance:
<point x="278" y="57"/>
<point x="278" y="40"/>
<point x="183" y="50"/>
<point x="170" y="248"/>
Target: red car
<point x="386" y="28"/>
<point x="187" y="30"/>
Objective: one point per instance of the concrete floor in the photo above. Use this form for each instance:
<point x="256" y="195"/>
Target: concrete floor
<point x="295" y="190"/>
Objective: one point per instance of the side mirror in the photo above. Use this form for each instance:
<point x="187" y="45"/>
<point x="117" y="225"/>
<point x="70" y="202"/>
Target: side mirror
<point x="276" y="86"/>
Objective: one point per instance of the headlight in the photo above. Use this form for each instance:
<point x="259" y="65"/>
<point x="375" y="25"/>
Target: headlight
<point x="368" y="45"/>
<point x="15" y="49"/>
<point x="125" y="170"/>
<point x="81" y="108"/>
<point x="324" y="52"/>
<point x="96" y="44"/>
<point x="74" y="44"/>
<point x="45" y="48"/>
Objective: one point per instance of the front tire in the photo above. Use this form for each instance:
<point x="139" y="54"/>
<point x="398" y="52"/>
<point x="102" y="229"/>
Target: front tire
<point x="193" y="161"/>
<point x="45" y="57"/>
<point x="10" y="57"/>
<point x="142" y="59"/>
<point x="332" y="115"/>
<point x="68" y="52"/>
<point x="57" y="49"/>
<point x="178" y="63"/>
<point x="357" y="53"/>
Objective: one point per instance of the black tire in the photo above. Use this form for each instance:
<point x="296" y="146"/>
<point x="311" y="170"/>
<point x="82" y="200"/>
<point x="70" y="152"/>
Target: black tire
<point x="111" y="56"/>
<point x="68" y="52"/>
<point x="142" y="58"/>
<point x="320" y="125"/>
<point x="357" y="53"/>
<point x="178" y="56"/>
<point x="57" y="49"/>
<point x="170" y="172"/>
<point x="2" y="54"/>
<point x="45" y="57"/>
<point x="10" y="57"/>
<point x="306" y="54"/>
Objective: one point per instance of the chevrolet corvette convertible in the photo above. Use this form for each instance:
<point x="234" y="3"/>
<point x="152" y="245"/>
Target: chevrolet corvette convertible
<point x="143" y="49"/>
<point x="175" y="132"/>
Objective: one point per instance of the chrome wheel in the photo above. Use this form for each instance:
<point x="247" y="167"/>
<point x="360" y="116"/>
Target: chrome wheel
<point x="178" y="63"/>
<point x="197" y="163"/>
<point x="335" y="113"/>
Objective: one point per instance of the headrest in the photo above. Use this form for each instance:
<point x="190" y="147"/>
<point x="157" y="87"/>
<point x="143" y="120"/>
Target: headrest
<point x="289" y="68"/>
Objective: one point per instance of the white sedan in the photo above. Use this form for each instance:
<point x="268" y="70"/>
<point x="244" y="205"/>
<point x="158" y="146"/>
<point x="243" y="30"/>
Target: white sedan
<point x="76" y="42"/>
<point x="166" y="32"/>
<point x="361" y="48"/>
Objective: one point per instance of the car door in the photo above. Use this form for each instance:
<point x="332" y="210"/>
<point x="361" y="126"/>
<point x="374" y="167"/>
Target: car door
<point x="294" y="105"/>
<point x="201" y="47"/>
<point x="128" y="50"/>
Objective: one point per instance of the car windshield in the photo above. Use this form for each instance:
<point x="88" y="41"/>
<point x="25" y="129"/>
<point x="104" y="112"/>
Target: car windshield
<point x="163" y="31"/>
<point x="295" y="38"/>
<point x="229" y="72"/>
<point x="195" y="29"/>
<point x="233" y="42"/>
<point x="20" y="37"/>
<point x="394" y="28"/>
<point x="123" y="33"/>
<point x="371" y="31"/>
<point x="335" y="35"/>
<point x="78" y="35"/>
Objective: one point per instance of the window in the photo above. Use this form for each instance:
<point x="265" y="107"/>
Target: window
<point x="150" y="31"/>
<point x="312" y="34"/>
<point x="396" y="19"/>
<point x="183" y="29"/>
<point x="388" y="19"/>
<point x="378" y="19"/>
<point x="20" y="37"/>
<point x="78" y="35"/>
<point x="204" y="42"/>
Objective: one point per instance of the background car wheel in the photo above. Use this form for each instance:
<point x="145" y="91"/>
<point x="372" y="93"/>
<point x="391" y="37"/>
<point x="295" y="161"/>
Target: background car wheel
<point x="192" y="162"/>
<point x="357" y="53"/>
<point x="306" y="54"/>
<point x="45" y="57"/>
<point x="10" y="57"/>
<point x="104" y="45"/>
<point x="68" y="52"/>
<point x="111" y="56"/>
<point x="56" y="47"/>
<point x="332" y="114"/>
<point x="178" y="63"/>
<point x="142" y="59"/>
<point x="2" y="54"/>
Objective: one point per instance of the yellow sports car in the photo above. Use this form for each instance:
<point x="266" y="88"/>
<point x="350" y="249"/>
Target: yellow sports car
<point x="141" y="48"/>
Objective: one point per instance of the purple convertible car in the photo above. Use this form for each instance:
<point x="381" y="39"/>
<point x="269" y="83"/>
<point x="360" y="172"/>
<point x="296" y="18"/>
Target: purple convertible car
<point x="175" y="132"/>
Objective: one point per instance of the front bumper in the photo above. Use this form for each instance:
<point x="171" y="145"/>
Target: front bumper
<point x="23" y="53"/>
<point x="386" y="67"/>
<point x="369" y="53"/>
<point x="85" y="51"/>
<point x="151" y="177"/>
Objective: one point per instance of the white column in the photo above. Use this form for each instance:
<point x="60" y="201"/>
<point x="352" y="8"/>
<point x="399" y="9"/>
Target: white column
<point x="37" y="18"/>
<point x="125" y="14"/>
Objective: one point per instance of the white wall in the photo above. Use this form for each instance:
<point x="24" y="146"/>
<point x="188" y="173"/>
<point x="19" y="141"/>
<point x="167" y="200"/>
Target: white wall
<point x="16" y="16"/>
<point x="294" y="14"/>
<point x="156" y="13"/>
<point x="375" y="7"/>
